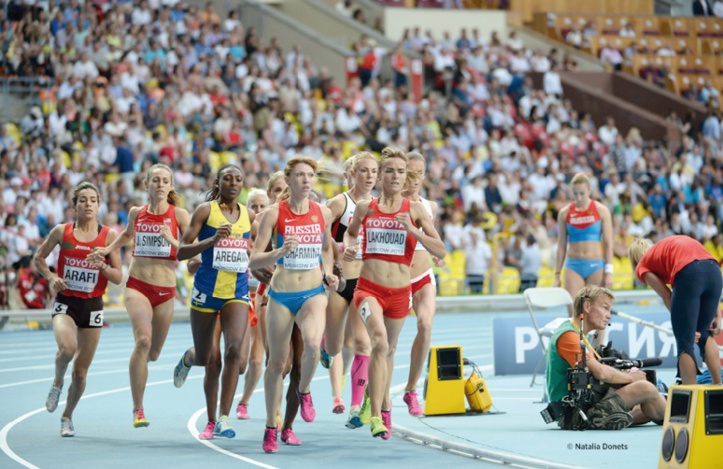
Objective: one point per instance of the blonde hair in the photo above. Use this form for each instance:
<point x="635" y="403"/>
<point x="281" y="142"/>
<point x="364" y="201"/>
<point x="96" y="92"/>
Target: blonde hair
<point x="272" y="179"/>
<point x="173" y="197"/>
<point x="290" y="165"/>
<point x="256" y="193"/>
<point x="348" y="164"/>
<point x="359" y="157"/>
<point x="416" y="156"/>
<point x="590" y="293"/>
<point x="637" y="249"/>
<point x="388" y="153"/>
<point x="581" y="178"/>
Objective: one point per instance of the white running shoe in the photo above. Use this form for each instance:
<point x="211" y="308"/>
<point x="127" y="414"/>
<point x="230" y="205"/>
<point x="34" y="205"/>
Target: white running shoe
<point x="51" y="403"/>
<point x="66" y="427"/>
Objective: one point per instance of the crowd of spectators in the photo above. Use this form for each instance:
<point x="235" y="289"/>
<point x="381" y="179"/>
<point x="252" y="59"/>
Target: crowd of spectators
<point x="161" y="81"/>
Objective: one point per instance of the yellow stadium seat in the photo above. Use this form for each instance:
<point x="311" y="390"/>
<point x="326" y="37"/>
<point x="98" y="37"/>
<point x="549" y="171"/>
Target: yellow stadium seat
<point x="66" y="159"/>
<point x="545" y="277"/>
<point x="508" y="281"/>
<point x="214" y="160"/>
<point x="12" y="130"/>
<point x="112" y="177"/>
<point x="228" y="157"/>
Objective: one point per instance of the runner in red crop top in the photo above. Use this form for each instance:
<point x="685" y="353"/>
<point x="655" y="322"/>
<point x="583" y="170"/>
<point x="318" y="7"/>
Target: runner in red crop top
<point x="383" y="293"/>
<point x="80" y="285"/>
<point x="155" y="231"/>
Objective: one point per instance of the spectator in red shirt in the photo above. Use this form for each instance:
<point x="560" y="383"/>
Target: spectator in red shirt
<point x="692" y="298"/>
<point x="33" y="287"/>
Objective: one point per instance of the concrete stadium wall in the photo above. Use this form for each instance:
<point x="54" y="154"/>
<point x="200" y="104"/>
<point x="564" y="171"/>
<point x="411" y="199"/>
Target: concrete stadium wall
<point x="396" y="20"/>
<point x="597" y="93"/>
<point x="326" y="21"/>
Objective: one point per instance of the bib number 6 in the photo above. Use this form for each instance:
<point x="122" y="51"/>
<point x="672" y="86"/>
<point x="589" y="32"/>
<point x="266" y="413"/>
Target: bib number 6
<point x="96" y="319"/>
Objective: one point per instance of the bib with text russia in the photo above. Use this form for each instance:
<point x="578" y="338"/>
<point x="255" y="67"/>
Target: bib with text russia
<point x="306" y="255"/>
<point x="149" y="242"/>
<point x="80" y="275"/>
<point x="385" y="236"/>
<point x="231" y="255"/>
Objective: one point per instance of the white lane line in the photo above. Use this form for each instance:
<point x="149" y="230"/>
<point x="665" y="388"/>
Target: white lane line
<point x="5" y="447"/>
<point x="50" y="355"/>
<point x="193" y="421"/>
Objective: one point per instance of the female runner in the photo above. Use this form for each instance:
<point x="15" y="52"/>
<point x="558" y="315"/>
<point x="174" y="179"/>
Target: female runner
<point x="586" y="239"/>
<point x="363" y="177"/>
<point x="80" y="285"/>
<point x="383" y="293"/>
<point x="424" y="291"/>
<point x="151" y="285"/>
<point x="296" y="293"/>
<point x="223" y="229"/>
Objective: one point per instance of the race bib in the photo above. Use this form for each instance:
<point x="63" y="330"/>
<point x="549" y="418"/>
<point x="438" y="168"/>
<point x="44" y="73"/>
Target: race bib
<point x="198" y="298"/>
<point x="80" y="275"/>
<point x="365" y="311"/>
<point x="391" y="242"/>
<point x="304" y="257"/>
<point x="231" y="255"/>
<point x="96" y="319"/>
<point x="150" y="243"/>
<point x="59" y="308"/>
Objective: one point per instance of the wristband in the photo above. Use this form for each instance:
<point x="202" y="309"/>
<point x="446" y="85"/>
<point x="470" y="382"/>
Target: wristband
<point x="608" y="268"/>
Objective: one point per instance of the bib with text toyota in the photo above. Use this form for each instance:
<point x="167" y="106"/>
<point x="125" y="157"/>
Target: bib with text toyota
<point x="231" y="255"/>
<point x="385" y="236"/>
<point x="149" y="242"/>
<point x="307" y="252"/>
<point x="80" y="275"/>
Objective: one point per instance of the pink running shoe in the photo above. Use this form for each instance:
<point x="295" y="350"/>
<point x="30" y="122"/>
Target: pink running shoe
<point x="338" y="406"/>
<point x="308" y="413"/>
<point x="288" y="437"/>
<point x="207" y="433"/>
<point x="387" y="419"/>
<point x="271" y="444"/>
<point x="410" y="398"/>
<point x="242" y="412"/>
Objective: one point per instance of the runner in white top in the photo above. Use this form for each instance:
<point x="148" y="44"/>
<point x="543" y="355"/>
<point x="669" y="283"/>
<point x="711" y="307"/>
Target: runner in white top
<point x="362" y="178"/>
<point x="424" y="288"/>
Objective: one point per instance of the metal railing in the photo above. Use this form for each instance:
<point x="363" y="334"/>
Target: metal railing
<point x="19" y="94"/>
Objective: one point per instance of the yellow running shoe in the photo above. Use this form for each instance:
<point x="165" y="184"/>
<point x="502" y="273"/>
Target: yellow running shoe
<point x="139" y="419"/>
<point x="378" y="428"/>
<point x="365" y="413"/>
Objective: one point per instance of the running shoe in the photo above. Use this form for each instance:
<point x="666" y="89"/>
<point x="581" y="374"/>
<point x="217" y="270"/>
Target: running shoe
<point x="410" y="398"/>
<point x="180" y="373"/>
<point x="51" y="403"/>
<point x="271" y="443"/>
<point x="354" y="422"/>
<point x="378" y="428"/>
<point x="242" y="412"/>
<point x="338" y="406"/>
<point x="308" y="413"/>
<point x="387" y="420"/>
<point x="66" y="427"/>
<point x="288" y="437"/>
<point x="365" y="413"/>
<point x="139" y="419"/>
<point x="207" y="433"/>
<point x="223" y="429"/>
<point x="325" y="359"/>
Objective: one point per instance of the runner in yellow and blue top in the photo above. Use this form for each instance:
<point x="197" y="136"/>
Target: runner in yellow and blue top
<point x="223" y="229"/>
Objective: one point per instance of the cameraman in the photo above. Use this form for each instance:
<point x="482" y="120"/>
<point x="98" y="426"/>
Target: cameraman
<point x="616" y="392"/>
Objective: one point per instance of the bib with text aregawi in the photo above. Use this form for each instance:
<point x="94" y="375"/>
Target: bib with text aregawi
<point x="308" y="229"/>
<point x="231" y="255"/>
<point x="148" y="241"/>
<point x="385" y="238"/>
<point x="82" y="278"/>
